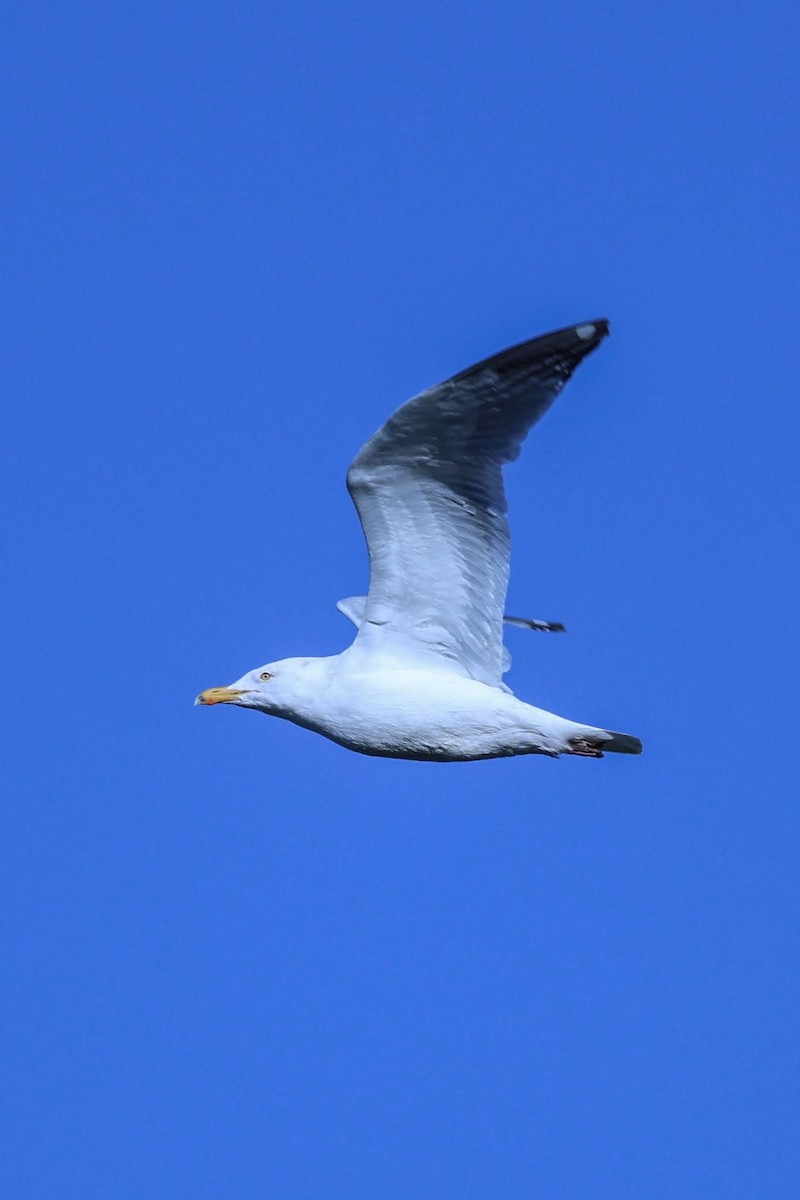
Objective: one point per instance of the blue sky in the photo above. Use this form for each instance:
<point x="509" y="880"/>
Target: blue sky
<point x="237" y="960"/>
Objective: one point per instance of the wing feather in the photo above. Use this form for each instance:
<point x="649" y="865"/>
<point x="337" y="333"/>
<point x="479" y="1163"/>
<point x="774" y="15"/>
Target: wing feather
<point x="428" y="488"/>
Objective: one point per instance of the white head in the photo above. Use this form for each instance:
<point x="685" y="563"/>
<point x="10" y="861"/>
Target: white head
<point x="281" y="687"/>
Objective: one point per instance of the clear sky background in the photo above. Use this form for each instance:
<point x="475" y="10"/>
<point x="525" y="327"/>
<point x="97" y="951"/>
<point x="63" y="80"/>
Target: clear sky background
<point x="239" y="961"/>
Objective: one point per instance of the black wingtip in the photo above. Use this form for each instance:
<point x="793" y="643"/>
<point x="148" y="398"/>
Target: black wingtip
<point x="561" y="349"/>
<point x="585" y="333"/>
<point x="573" y="341"/>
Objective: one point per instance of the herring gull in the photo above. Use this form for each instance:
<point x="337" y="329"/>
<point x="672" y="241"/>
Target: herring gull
<point x="423" y="678"/>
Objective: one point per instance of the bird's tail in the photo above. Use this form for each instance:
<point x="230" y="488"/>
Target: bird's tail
<point x="593" y="743"/>
<point x="623" y="743"/>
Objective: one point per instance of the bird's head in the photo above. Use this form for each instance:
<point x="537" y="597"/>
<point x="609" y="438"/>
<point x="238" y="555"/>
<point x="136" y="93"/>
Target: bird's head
<point x="273" y="688"/>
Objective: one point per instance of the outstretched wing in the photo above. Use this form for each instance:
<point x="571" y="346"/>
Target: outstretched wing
<point x="428" y="488"/>
<point x="354" y="607"/>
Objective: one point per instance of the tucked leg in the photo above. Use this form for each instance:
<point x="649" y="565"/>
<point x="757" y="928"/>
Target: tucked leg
<point x="581" y="747"/>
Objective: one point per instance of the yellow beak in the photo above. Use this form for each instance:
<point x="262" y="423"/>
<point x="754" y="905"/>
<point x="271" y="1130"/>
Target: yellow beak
<point x="218" y="696"/>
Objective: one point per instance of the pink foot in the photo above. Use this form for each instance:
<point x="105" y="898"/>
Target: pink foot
<point x="581" y="747"/>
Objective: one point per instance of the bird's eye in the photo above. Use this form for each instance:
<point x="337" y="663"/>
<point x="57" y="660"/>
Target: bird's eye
<point x="265" y="675"/>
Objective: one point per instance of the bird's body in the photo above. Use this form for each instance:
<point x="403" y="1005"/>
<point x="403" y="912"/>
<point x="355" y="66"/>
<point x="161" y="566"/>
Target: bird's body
<point x="399" y="711"/>
<point x="423" y="678"/>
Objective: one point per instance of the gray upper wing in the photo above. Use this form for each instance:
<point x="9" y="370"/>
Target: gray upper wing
<point x="429" y="491"/>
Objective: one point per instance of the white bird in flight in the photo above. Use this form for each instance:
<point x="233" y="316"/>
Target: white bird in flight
<point x="423" y="678"/>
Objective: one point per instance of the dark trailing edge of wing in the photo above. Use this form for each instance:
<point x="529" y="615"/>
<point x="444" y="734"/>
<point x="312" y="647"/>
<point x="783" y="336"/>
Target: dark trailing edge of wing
<point x="555" y="354"/>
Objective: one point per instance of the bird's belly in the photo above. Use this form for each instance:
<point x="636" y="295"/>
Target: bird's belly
<point x="424" y="718"/>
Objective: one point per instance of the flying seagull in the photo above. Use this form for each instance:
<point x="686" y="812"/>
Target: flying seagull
<point x="423" y="678"/>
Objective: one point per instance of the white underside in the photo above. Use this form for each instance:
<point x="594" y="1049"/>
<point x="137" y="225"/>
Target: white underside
<point x="407" y="712"/>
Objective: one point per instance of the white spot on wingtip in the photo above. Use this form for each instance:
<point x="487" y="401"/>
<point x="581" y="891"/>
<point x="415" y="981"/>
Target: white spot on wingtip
<point x="585" y="331"/>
